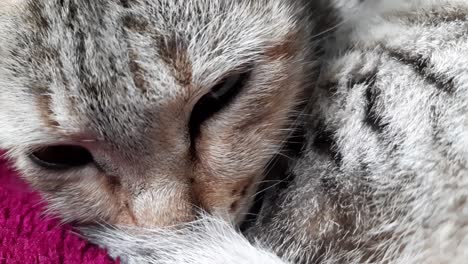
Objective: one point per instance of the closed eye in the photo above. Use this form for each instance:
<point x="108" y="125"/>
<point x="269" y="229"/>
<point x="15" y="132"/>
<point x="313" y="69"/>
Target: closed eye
<point x="61" y="157"/>
<point x="220" y="96"/>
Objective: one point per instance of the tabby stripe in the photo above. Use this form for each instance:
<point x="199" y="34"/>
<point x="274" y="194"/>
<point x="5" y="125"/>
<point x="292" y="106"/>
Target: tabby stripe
<point x="422" y="68"/>
<point x="325" y="143"/>
<point x="437" y="18"/>
<point x="372" y="118"/>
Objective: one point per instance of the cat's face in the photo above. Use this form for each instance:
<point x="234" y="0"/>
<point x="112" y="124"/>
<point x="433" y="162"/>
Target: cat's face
<point x="143" y="112"/>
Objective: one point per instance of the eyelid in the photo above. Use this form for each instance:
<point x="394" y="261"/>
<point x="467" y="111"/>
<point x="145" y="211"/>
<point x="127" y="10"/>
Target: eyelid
<point x="199" y="93"/>
<point x="227" y="86"/>
<point x="239" y="70"/>
<point x="61" y="157"/>
<point x="44" y="164"/>
<point x="220" y="96"/>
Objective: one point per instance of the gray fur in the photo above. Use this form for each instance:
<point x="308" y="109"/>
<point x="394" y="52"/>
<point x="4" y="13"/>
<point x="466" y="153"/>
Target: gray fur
<point x="383" y="175"/>
<point x="383" y="178"/>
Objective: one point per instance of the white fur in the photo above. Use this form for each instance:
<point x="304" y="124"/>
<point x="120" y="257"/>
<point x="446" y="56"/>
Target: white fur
<point x="207" y="241"/>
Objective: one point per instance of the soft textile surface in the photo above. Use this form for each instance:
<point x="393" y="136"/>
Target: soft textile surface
<point x="27" y="236"/>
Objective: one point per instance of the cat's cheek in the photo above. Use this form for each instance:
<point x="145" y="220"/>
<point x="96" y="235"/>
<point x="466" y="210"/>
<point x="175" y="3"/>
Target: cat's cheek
<point x="224" y="195"/>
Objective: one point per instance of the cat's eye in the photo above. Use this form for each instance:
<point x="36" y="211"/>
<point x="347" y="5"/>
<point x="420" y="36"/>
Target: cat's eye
<point x="220" y="96"/>
<point x="61" y="157"/>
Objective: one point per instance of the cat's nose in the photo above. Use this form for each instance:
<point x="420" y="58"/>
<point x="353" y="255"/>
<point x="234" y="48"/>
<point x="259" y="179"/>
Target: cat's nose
<point x="159" y="208"/>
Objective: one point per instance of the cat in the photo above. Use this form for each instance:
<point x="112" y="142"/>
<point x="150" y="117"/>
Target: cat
<point x="150" y="113"/>
<point x="118" y="120"/>
<point x="146" y="113"/>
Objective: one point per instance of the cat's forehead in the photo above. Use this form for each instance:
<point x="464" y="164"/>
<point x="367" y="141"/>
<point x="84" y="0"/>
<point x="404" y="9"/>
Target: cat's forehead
<point x="111" y="60"/>
<point x="155" y="47"/>
<point x="161" y="41"/>
<point x="199" y="41"/>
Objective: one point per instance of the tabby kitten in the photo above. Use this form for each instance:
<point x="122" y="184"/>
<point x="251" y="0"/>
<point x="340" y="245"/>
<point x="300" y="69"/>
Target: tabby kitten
<point x="143" y="114"/>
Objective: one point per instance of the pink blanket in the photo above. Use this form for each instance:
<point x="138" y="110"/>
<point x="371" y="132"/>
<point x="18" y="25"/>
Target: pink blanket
<point x="26" y="236"/>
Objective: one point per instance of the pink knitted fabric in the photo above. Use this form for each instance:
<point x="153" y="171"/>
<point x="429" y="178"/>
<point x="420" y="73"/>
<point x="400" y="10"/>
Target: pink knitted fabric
<point x="27" y="236"/>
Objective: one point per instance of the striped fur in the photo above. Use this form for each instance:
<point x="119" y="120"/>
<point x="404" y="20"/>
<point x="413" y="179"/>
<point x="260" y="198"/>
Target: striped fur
<point x="383" y="175"/>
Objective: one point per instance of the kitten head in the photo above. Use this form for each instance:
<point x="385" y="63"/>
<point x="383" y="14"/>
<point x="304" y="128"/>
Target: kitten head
<point x="143" y="112"/>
